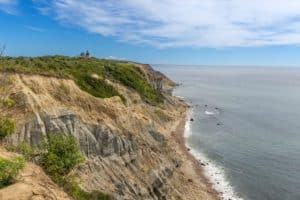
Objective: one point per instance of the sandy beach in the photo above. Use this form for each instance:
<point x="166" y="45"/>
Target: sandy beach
<point x="199" y="185"/>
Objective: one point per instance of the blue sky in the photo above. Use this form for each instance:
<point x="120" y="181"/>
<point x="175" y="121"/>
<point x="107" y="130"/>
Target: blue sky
<point x="227" y="32"/>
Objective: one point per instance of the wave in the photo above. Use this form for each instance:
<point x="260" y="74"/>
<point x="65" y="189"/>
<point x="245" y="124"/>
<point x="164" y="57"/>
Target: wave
<point x="209" y="112"/>
<point x="187" y="128"/>
<point x="215" y="174"/>
<point x="180" y="97"/>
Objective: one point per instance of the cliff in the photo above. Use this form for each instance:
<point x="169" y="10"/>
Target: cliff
<point x="128" y="139"/>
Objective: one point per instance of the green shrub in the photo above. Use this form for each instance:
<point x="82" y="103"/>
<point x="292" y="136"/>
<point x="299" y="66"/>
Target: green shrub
<point x="97" y="87"/>
<point x="130" y="76"/>
<point x="8" y="102"/>
<point x="61" y="156"/>
<point x="9" y="169"/>
<point x="7" y="127"/>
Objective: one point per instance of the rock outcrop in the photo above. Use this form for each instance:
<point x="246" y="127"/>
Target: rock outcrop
<point x="94" y="139"/>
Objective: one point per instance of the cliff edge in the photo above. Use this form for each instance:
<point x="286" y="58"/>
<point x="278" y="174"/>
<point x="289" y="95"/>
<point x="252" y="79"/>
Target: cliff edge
<point x="130" y="135"/>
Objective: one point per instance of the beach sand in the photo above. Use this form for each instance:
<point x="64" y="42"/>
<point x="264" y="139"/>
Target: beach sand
<point x="197" y="186"/>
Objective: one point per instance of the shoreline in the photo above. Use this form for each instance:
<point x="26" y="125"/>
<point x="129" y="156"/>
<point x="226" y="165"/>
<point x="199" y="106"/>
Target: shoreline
<point x="206" y="170"/>
<point x="189" y="157"/>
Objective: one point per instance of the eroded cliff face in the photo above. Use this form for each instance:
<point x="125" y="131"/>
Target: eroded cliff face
<point x="130" y="149"/>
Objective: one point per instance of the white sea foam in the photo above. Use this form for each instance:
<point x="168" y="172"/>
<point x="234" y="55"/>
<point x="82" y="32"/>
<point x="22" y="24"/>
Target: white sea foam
<point x="187" y="128"/>
<point x="214" y="173"/>
<point x="180" y="97"/>
<point x="209" y="112"/>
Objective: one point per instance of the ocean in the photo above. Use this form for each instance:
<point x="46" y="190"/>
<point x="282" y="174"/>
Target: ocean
<point x="246" y="128"/>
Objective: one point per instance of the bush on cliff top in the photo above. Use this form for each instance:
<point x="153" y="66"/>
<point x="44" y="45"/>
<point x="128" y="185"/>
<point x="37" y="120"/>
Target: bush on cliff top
<point x="80" y="69"/>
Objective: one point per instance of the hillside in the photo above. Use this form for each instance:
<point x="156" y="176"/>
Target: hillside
<point x="122" y="115"/>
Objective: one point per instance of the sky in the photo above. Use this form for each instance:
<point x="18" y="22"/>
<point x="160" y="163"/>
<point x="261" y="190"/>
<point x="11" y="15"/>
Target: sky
<point x="204" y="32"/>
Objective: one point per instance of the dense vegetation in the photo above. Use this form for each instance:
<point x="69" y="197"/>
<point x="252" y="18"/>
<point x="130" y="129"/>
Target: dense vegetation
<point x="82" y="69"/>
<point x="9" y="169"/>
<point x="98" y="87"/>
<point x="131" y="77"/>
<point x="61" y="155"/>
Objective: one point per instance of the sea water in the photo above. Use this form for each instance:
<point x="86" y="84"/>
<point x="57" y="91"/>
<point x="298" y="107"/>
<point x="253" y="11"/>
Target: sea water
<point x="246" y="128"/>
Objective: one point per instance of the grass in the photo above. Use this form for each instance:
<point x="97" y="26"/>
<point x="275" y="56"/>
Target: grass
<point x="81" y="71"/>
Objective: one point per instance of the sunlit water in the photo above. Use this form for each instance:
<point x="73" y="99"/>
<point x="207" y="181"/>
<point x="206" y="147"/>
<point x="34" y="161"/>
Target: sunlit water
<point x="246" y="126"/>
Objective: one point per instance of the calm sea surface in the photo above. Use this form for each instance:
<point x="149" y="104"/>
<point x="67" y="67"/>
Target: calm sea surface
<point x="247" y="122"/>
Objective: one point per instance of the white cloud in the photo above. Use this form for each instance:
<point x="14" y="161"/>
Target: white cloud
<point x="34" y="28"/>
<point x="5" y="1"/>
<point x="8" y="6"/>
<point x="193" y="23"/>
